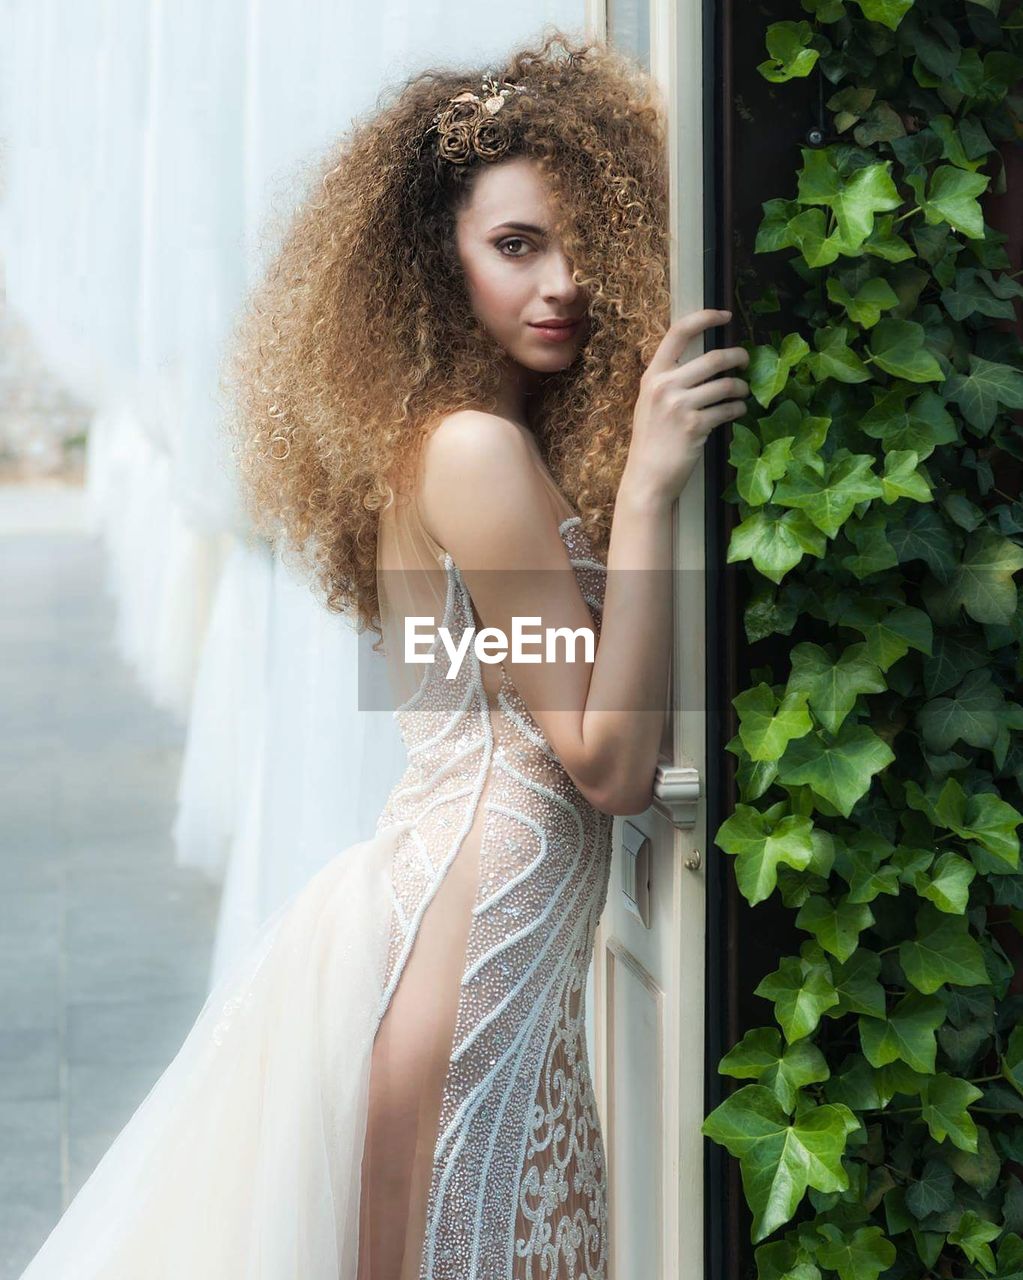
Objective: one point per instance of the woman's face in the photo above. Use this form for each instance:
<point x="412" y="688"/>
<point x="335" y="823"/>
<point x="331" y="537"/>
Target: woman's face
<point x="515" y="269"/>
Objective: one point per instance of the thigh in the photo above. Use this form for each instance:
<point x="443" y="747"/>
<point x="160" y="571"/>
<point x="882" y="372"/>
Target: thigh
<point x="411" y="1055"/>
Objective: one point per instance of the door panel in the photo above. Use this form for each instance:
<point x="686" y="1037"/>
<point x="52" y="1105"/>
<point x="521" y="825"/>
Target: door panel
<point x="634" y="1016"/>
<point x="645" y="994"/>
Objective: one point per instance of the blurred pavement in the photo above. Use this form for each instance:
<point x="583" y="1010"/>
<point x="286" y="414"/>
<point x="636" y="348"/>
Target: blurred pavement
<point x="105" y="943"/>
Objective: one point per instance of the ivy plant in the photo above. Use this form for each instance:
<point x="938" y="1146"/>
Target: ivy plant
<point x="878" y="1121"/>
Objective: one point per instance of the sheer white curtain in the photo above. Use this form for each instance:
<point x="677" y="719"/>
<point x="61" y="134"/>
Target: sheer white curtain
<point x="146" y="143"/>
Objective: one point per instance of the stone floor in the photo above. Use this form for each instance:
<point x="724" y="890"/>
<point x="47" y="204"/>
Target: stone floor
<point x="104" y="942"/>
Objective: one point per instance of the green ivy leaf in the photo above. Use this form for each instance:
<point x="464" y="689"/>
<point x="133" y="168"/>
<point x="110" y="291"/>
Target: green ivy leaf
<point x="754" y="776"/>
<point x="971" y="715"/>
<point x="897" y="1077"/>
<point x="985" y="818"/>
<point x="979" y="1170"/>
<point x="831" y="687"/>
<point x="858" y="988"/>
<point x="910" y="862"/>
<point x="974" y="294"/>
<point x="888" y="12"/>
<point x="862" y="865"/>
<point x="808" y="232"/>
<point x="899" y="347"/>
<point x="987" y="386"/>
<point x="866" y="306"/>
<point x="945" y="1102"/>
<point x="889" y="633"/>
<point x="919" y="425"/>
<point x="775" y="544"/>
<point x="806" y="432"/>
<point x="801" y="990"/>
<point x="834" y="359"/>
<point x="884" y="242"/>
<point x="828" y="500"/>
<point x="1012" y="1060"/>
<point x="942" y="952"/>
<point x="768" y="369"/>
<point x="953" y="657"/>
<point x="953" y="145"/>
<point x="982" y="584"/>
<point x="759" y="842"/>
<point x="853" y="101"/>
<point x="780" y="1260"/>
<point x="791" y="57"/>
<point x="773" y="231"/>
<point x="854" y="1086"/>
<point x="882" y="124"/>
<point x="932" y="1192"/>
<point x="784" y="1069"/>
<point x="921" y="534"/>
<point x="869" y="535"/>
<point x="1010" y="1250"/>
<point x="836" y="925"/>
<point x="992" y="822"/>
<point x="916" y="154"/>
<point x="757" y="469"/>
<point x="947" y="885"/>
<point x="779" y="1157"/>
<point x="853" y="198"/>
<point x="952" y="197"/>
<point x="906" y="1034"/>
<point x="860" y="1256"/>
<point x="963" y="1045"/>
<point x="972" y="1236"/>
<point x="765" y="727"/>
<point x="965" y="513"/>
<point x="841" y="770"/>
<point x="902" y="479"/>
<point x="1002" y="286"/>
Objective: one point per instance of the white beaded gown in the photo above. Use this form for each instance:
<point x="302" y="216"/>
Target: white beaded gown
<point x="393" y="1083"/>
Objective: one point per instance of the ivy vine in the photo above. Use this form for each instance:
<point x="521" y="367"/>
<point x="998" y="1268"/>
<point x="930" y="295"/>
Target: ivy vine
<point x="880" y="747"/>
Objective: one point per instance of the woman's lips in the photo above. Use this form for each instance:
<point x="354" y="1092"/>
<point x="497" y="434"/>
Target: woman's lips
<point x="557" y="333"/>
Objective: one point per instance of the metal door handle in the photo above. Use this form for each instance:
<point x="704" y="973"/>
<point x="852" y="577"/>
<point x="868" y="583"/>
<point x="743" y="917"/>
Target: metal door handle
<point x="677" y="791"/>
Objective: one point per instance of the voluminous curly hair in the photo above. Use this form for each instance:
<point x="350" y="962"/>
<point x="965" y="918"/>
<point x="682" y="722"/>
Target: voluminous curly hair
<point x="361" y="337"/>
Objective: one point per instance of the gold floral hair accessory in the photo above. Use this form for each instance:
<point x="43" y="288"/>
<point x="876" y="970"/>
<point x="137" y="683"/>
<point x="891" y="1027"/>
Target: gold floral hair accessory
<point x="469" y="124"/>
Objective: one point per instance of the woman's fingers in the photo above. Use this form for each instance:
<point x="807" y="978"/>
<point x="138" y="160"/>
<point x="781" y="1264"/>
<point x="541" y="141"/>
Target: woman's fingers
<point x="680" y="335"/>
<point x="706" y="393"/>
<point x="708" y="365"/>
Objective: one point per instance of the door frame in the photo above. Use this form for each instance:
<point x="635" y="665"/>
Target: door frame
<point x="683" y="36"/>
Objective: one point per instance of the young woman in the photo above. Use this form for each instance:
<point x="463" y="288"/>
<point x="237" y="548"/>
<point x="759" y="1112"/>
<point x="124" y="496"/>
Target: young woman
<point x="458" y="399"/>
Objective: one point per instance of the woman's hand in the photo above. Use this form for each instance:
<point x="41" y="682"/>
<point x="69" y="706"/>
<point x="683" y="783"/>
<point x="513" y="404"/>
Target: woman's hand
<point x="679" y="405"/>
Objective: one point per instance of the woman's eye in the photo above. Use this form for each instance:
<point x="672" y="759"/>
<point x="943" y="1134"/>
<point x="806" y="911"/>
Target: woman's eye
<point x="512" y="240"/>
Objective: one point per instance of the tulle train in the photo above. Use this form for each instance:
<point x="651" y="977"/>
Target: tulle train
<point x="243" y="1161"/>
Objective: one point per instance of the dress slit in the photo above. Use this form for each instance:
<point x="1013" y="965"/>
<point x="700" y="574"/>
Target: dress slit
<point x="409" y="1066"/>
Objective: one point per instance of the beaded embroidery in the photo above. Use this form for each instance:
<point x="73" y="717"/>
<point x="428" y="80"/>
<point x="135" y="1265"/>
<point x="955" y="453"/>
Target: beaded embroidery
<point x="518" y="1190"/>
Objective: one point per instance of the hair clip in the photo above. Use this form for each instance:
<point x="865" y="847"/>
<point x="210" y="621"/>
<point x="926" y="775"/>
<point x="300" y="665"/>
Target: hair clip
<point x="467" y="124"/>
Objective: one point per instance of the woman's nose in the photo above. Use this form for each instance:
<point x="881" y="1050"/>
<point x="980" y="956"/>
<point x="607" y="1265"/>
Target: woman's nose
<point x="558" y="282"/>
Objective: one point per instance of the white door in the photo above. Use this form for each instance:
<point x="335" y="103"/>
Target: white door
<point x="646" y="989"/>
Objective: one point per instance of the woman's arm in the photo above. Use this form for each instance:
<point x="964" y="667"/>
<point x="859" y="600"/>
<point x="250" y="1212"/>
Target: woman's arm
<point x="621" y="725"/>
<point x="483" y="499"/>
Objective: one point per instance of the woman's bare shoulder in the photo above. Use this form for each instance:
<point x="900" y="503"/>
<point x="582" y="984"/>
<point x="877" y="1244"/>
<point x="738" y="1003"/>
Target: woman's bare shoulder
<point x="472" y="437"/>
<point x="479" y="474"/>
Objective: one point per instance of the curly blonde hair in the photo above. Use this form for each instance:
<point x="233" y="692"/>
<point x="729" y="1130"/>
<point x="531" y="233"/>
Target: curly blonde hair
<point x="360" y="337"/>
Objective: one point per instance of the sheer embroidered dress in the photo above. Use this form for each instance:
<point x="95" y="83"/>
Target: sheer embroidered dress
<point x="392" y="1084"/>
<point x="482" y="1094"/>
